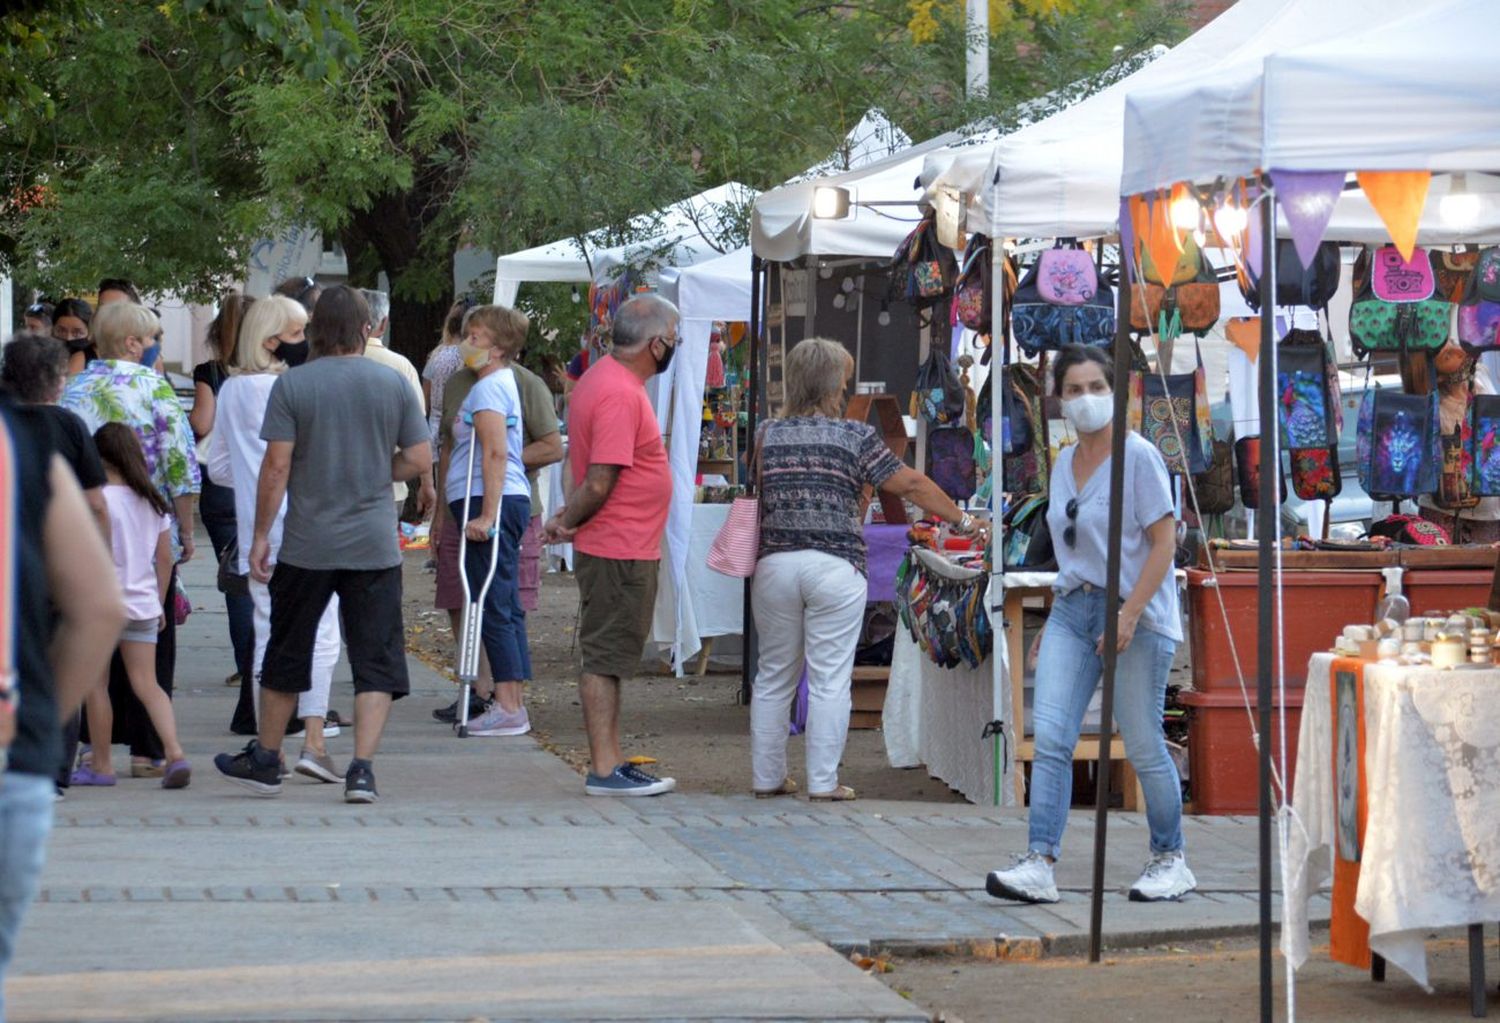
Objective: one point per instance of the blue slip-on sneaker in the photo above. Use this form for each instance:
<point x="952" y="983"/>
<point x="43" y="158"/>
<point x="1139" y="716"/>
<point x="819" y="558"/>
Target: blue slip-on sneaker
<point x="628" y="780"/>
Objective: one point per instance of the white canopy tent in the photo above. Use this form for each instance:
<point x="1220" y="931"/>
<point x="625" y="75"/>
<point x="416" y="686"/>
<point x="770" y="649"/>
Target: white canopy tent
<point x="1411" y="92"/>
<point x="784" y="229"/>
<point x="679" y="235"/>
<point x="718" y="289"/>
<point x="1060" y="177"/>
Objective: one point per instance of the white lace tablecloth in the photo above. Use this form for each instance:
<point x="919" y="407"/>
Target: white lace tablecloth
<point x="1431" y="855"/>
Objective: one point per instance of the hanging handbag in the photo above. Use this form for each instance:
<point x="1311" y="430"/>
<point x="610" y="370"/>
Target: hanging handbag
<point x="922" y="270"/>
<point x="1315" y="474"/>
<point x="1173" y="414"/>
<point x="1453" y="273"/>
<point x="1487" y="275"/>
<point x="1027" y="470"/>
<point x="1303" y="399"/>
<point x="1214" y="487"/>
<point x="938" y="395"/>
<point x="1400" y="444"/>
<point x="1393" y="278"/>
<point x="1042" y="326"/>
<point x="1484" y="445"/>
<point x="1312" y="286"/>
<point x="736" y="548"/>
<point x="1479" y="325"/>
<point x="1247" y="472"/>
<point x="1195" y="301"/>
<point x="950" y="460"/>
<point x="1028" y="540"/>
<point x="1379" y="325"/>
<point x="1066" y="275"/>
<point x="971" y="295"/>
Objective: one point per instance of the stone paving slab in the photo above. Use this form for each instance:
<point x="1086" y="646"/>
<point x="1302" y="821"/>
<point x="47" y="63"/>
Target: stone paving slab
<point x="485" y="870"/>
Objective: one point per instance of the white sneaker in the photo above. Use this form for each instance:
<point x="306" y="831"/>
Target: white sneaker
<point x="1165" y="878"/>
<point x="498" y="721"/>
<point x="1030" y="880"/>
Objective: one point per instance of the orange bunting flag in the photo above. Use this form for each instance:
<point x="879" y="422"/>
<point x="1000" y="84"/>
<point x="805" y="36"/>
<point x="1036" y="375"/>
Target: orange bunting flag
<point x="1398" y="196"/>
<point x="1162" y="242"/>
<point x="1140" y="226"/>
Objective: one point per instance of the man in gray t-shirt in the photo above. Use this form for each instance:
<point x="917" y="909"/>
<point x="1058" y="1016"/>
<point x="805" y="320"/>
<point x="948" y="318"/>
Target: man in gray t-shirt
<point x="339" y="431"/>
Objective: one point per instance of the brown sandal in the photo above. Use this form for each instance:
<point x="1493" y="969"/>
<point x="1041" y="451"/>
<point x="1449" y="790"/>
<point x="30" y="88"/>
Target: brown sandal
<point x="842" y="794"/>
<point x="786" y="788"/>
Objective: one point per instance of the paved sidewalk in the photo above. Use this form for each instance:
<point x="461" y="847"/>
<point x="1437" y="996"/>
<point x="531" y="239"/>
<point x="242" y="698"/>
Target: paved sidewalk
<point x="485" y="885"/>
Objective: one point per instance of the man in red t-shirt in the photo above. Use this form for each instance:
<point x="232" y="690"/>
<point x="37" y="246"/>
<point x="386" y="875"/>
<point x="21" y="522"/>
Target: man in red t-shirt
<point x="615" y="518"/>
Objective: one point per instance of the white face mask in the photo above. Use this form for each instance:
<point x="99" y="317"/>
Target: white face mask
<point x="1089" y="413"/>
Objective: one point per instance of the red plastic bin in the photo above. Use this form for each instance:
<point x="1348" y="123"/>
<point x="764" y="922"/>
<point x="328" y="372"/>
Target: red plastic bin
<point x="1432" y="590"/>
<point x="1224" y="765"/>
<point x="1318" y="606"/>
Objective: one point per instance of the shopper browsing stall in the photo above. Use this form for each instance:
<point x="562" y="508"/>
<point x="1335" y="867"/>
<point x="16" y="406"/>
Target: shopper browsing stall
<point x="1071" y="648"/>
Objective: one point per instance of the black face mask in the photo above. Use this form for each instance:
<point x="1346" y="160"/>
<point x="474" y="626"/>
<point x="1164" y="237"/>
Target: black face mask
<point x="666" y="360"/>
<point x="80" y="346"/>
<point x="293" y="353"/>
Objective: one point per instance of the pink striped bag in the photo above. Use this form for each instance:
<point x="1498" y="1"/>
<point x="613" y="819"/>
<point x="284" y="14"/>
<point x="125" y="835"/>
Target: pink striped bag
<point x="736" y="549"/>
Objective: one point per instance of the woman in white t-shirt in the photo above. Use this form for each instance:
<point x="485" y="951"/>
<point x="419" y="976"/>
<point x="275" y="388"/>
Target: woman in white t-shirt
<point x="272" y="338"/>
<point x="1072" y="646"/>
<point x="499" y="505"/>
<point x="140" y="524"/>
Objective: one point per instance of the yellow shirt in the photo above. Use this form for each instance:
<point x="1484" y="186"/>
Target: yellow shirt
<point x="375" y="349"/>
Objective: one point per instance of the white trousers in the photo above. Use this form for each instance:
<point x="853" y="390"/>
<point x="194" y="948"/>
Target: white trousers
<point x="314" y="702"/>
<point x="808" y="607"/>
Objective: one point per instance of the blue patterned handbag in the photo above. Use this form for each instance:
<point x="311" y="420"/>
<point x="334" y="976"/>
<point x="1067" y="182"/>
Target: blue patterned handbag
<point x="1039" y="325"/>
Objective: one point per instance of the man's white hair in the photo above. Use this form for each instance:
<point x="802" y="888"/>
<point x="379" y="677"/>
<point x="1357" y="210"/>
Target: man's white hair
<point x="642" y="317"/>
<point x="380" y="306"/>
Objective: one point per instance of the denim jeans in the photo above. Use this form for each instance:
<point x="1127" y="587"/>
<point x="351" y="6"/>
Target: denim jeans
<point x="503" y="630"/>
<point x="1068" y="671"/>
<point x="25" y="821"/>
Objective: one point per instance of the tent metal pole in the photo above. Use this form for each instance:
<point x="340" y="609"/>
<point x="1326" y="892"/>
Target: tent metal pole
<point x="1111" y="600"/>
<point x="757" y="275"/>
<point x="1267" y="524"/>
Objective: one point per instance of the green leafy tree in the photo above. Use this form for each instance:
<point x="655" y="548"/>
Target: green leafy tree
<point x="161" y="141"/>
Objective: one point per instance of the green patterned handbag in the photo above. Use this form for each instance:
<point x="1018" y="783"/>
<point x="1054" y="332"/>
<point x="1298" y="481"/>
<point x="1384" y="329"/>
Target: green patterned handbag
<point x="1379" y="326"/>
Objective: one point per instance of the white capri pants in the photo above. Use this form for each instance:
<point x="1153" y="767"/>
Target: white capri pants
<point x="314" y="702"/>
<point x="809" y="606"/>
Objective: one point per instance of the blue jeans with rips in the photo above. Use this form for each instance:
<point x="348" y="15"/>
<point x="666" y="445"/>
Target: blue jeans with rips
<point x="25" y="822"/>
<point x="1068" y="671"/>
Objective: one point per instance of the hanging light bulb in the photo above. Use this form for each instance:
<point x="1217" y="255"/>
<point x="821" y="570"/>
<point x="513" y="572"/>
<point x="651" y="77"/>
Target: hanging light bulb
<point x="838" y="300"/>
<point x="847" y="284"/>
<point x="884" y="319"/>
<point x="825" y="271"/>
<point x="576" y="296"/>
<point x="1185" y="212"/>
<point x="1460" y="207"/>
<point x="1230" y="221"/>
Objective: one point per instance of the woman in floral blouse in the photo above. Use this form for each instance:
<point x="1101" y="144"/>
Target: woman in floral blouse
<point x="116" y="388"/>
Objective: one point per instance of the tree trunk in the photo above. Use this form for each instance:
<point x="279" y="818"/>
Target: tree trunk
<point x="385" y="237"/>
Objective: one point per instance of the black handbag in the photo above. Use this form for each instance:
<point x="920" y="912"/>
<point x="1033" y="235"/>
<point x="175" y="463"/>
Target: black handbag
<point x="230" y="582"/>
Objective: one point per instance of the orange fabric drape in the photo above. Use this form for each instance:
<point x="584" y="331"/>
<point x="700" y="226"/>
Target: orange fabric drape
<point x="1348" y="932"/>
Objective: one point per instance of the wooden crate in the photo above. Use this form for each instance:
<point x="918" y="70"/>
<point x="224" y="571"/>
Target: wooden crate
<point x="868" y="694"/>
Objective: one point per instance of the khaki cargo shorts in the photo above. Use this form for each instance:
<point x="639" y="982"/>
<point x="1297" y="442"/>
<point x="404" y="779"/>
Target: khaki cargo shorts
<point x="618" y="598"/>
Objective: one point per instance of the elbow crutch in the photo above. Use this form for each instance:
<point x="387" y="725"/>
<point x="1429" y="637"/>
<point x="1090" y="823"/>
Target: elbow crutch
<point x="470" y="634"/>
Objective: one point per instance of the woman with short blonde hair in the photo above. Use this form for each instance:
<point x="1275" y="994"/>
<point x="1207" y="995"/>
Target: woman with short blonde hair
<point x="272" y="340"/>
<point x="117" y="324"/>
<point x="810" y="588"/>
<point x="509" y="326"/>
<point x="270" y="336"/>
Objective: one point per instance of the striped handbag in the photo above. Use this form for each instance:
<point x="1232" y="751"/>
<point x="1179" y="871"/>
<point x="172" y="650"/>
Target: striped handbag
<point x="736" y="549"/>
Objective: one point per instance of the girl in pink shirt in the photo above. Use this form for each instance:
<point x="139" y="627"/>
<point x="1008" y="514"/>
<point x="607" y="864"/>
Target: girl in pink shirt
<point x="141" y="535"/>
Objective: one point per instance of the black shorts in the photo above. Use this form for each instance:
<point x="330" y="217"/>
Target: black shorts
<point x="369" y="611"/>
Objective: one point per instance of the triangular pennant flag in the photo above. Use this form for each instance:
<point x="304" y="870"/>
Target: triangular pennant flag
<point x="1181" y="196"/>
<point x="1308" y="198"/>
<point x="1140" y="227"/>
<point x="1161" y="242"/>
<point x="1398" y="196"/>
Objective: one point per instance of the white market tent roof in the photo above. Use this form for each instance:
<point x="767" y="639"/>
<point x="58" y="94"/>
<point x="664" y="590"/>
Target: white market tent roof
<point x="1413" y="91"/>
<point x="783" y="228"/>
<point x="1060" y="177"/>
<point x="682" y="234"/>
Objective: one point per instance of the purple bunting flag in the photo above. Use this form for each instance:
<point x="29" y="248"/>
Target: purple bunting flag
<point x="1308" y="198"/>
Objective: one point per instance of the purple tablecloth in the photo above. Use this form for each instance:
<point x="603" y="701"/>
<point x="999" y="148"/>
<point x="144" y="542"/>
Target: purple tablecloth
<point x="887" y="546"/>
